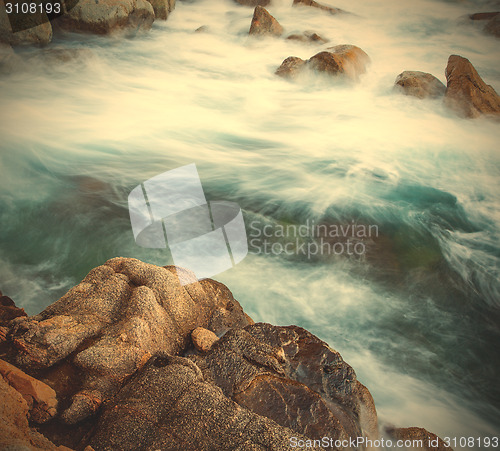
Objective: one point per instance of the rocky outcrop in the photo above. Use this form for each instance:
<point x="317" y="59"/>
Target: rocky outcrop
<point x="173" y="363"/>
<point x="344" y="61"/>
<point x="419" y="84"/>
<point x="309" y="37"/>
<point x="466" y="93"/>
<point x="162" y="8"/>
<point x="253" y="3"/>
<point x="106" y="16"/>
<point x="263" y="24"/>
<point x="490" y="21"/>
<point x="120" y="315"/>
<point x="315" y="4"/>
<point x="39" y="34"/>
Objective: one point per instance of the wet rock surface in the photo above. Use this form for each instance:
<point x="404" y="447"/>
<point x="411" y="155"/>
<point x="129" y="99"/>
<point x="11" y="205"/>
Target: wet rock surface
<point x="466" y="92"/>
<point x="419" y="84"/>
<point x="138" y="356"/>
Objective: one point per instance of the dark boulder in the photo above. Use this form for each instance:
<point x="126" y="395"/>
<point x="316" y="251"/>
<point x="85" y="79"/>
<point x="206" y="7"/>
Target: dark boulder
<point x="419" y="84"/>
<point x="466" y="93"/>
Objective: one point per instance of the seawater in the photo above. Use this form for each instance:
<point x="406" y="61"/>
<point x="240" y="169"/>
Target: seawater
<point x="417" y="316"/>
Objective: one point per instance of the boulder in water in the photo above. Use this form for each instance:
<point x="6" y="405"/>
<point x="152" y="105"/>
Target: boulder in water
<point x="162" y="8"/>
<point x="309" y="37"/>
<point x="466" y="93"/>
<point x="419" y="84"/>
<point x="345" y="61"/>
<point x="263" y="24"/>
<point x="106" y="16"/>
<point x="253" y="3"/>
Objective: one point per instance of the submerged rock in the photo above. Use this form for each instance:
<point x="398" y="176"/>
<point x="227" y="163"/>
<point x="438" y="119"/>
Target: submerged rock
<point x="419" y="84"/>
<point x="253" y="3"/>
<point x="264" y="24"/>
<point x="308" y="37"/>
<point x="345" y="61"/>
<point x="466" y="93"/>
<point x="491" y="22"/>
<point x="106" y="16"/>
<point x="315" y="4"/>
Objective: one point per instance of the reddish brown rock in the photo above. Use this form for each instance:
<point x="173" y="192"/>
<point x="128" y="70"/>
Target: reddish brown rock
<point x="203" y="339"/>
<point x="466" y="93"/>
<point x="106" y="16"/>
<point x="40" y="398"/>
<point x="419" y="84"/>
<point x="315" y="4"/>
<point x="15" y="432"/>
<point x="430" y="441"/>
<point x="263" y="24"/>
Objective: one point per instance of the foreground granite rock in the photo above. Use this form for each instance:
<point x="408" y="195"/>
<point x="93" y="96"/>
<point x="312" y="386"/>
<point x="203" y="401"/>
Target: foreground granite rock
<point x="120" y="315"/>
<point x="344" y="61"/>
<point x="466" y="93"/>
<point x="106" y="16"/>
<point x="146" y="357"/>
<point x="419" y="84"/>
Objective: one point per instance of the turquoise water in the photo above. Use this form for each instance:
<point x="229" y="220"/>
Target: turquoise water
<point x="416" y="315"/>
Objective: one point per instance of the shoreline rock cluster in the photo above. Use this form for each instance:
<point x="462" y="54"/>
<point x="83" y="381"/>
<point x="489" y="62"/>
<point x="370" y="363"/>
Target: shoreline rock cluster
<point x="131" y="358"/>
